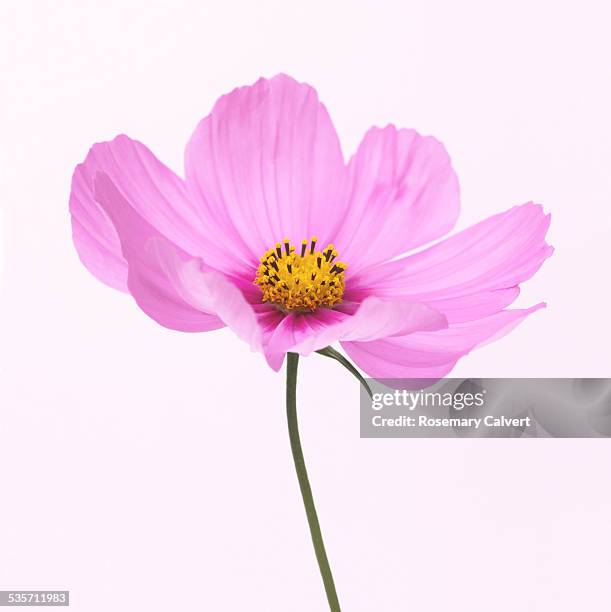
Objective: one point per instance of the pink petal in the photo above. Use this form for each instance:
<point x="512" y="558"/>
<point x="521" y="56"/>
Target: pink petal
<point x="97" y="245"/>
<point x="147" y="280"/>
<point x="403" y="193"/>
<point x="283" y="333"/>
<point x="431" y="354"/>
<point x="151" y="189"/>
<point x="472" y="274"/>
<point x="475" y="305"/>
<point x="207" y="290"/>
<point x="267" y="164"/>
<point x="269" y="318"/>
<point x="306" y="332"/>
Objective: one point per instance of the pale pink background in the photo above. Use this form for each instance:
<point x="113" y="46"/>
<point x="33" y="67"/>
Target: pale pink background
<point x="149" y="470"/>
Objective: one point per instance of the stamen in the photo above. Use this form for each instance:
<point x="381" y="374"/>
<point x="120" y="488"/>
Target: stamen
<point x="301" y="280"/>
<point x="313" y="245"/>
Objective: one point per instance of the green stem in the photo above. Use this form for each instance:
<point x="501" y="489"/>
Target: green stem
<point x="333" y="354"/>
<point x="304" y="483"/>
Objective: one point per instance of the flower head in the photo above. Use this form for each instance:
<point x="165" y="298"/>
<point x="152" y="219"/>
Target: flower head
<point x="273" y="234"/>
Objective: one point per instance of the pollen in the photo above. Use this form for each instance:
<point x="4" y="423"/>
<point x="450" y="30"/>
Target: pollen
<point x="301" y="279"/>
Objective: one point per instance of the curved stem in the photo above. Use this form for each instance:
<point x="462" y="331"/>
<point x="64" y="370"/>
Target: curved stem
<point x="304" y="483"/>
<point x="329" y="351"/>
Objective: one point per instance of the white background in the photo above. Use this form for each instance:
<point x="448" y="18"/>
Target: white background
<point x="145" y="469"/>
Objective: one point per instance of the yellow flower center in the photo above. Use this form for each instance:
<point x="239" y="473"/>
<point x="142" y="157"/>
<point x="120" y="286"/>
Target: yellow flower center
<point x="301" y="281"/>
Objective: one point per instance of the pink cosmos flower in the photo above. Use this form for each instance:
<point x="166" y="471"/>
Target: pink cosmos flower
<point x="274" y="235"/>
